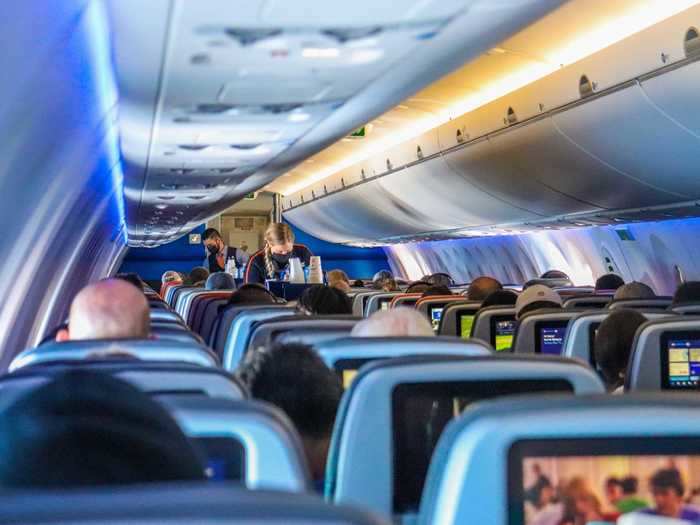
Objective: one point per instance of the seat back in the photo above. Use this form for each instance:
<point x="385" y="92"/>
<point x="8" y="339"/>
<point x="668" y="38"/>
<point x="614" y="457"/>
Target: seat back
<point x="347" y="355"/>
<point x="256" y="440"/>
<point x="209" y="314"/>
<point x="496" y="325"/>
<point x="589" y="302"/>
<point x="145" y="349"/>
<point x="359" y="301"/>
<point x="166" y="316"/>
<point x="169" y="332"/>
<point x="432" y="307"/>
<point x="488" y="459"/>
<point x="243" y="319"/>
<point x="666" y="355"/>
<point x="580" y="336"/>
<point x="199" y="303"/>
<point x="393" y="414"/>
<point x="457" y="318"/>
<point x="378" y="301"/>
<point x="405" y="299"/>
<point x="659" y="303"/>
<point x="686" y="308"/>
<point x="172" y="504"/>
<point x="153" y="378"/>
<point x="543" y="331"/>
<point x="295" y="327"/>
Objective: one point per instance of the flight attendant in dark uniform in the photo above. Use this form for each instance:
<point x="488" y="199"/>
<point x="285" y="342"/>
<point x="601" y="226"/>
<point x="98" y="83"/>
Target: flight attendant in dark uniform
<point x="273" y="260"/>
<point x="219" y="253"/>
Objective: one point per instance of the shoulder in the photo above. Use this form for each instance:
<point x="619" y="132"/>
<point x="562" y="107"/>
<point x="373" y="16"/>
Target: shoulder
<point x="302" y="249"/>
<point x="257" y="256"/>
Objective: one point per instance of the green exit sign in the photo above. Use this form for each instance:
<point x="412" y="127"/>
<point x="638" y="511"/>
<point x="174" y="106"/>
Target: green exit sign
<point x="251" y="196"/>
<point x="359" y="133"/>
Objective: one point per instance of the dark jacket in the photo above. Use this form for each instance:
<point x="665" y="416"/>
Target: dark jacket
<point x="257" y="273"/>
<point x="211" y="264"/>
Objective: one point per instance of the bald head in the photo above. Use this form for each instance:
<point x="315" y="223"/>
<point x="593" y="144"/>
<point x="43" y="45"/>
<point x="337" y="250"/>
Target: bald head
<point x="482" y="287"/>
<point x="108" y="309"/>
<point x="400" y="322"/>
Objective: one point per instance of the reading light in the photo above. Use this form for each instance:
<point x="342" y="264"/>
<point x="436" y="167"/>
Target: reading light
<point x="320" y="52"/>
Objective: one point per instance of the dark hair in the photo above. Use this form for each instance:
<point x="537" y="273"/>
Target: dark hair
<point x="197" y="275"/>
<point x="294" y="378"/>
<point x="687" y="293"/>
<point x="359" y="283"/>
<point x="613" y="344"/>
<point x="440" y="279"/>
<point x="325" y="300"/>
<point x="630" y="485"/>
<point x="211" y="233"/>
<point x="220" y="281"/>
<point x="132" y="278"/>
<point x="482" y="287"/>
<point x="609" y="281"/>
<point x="554" y="274"/>
<point x="418" y="287"/>
<point x="668" y="478"/>
<point x="252" y="293"/>
<point x="500" y="298"/>
<point x="613" y="481"/>
<point x="436" y="290"/>
<point x="86" y="428"/>
<point x="538" y="305"/>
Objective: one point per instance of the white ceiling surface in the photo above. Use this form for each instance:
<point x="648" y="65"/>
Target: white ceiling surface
<point x="217" y="98"/>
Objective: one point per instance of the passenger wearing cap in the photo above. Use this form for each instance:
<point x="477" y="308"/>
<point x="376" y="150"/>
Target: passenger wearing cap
<point x="536" y="297"/>
<point x="86" y="428"/>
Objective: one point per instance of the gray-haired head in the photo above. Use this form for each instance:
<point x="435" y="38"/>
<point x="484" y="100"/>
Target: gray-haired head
<point x="399" y="322"/>
<point x="220" y="281"/>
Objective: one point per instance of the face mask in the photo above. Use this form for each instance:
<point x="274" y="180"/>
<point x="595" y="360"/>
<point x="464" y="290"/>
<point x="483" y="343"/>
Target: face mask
<point x="281" y="260"/>
<point x="213" y="249"/>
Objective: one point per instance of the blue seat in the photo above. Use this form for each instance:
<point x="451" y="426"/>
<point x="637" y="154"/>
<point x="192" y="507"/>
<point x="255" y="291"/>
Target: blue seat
<point x="186" y="504"/>
<point x="152" y="377"/>
<point x="658" y="303"/>
<point x="378" y="301"/>
<point x="483" y="462"/>
<point x="589" y="302"/>
<point x="395" y="410"/>
<point x="458" y="317"/>
<point x="146" y="349"/>
<point x="257" y="441"/>
<point x="543" y="331"/>
<point x="495" y="325"/>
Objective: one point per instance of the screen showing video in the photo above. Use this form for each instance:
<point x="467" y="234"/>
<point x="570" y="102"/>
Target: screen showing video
<point x="384" y="304"/>
<point x="420" y="413"/>
<point x="224" y="458"/>
<point x="503" y="333"/>
<point x="550" y="337"/>
<point x="435" y="316"/>
<point x="596" y="482"/>
<point x="680" y="360"/>
<point x="466" y="322"/>
<point x="347" y="369"/>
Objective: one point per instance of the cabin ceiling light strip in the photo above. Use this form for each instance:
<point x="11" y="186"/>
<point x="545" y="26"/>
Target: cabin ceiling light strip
<point x="639" y="17"/>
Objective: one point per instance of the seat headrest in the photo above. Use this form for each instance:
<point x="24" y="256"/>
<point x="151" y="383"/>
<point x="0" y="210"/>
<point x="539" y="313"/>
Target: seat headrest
<point x="177" y="504"/>
<point x="145" y="349"/>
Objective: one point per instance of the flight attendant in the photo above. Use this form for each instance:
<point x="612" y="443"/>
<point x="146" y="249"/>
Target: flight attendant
<point x="273" y="260"/>
<point x="218" y="253"/>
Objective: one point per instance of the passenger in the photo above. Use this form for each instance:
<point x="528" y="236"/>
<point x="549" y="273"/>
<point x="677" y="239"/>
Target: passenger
<point x="339" y="279"/>
<point x="613" y="491"/>
<point x="536" y="297"/>
<point x="390" y="285"/>
<point x="399" y="322"/>
<point x="608" y="282"/>
<point x="418" y="287"/>
<point x="243" y="254"/>
<point x="634" y="290"/>
<point x="436" y="290"/>
<point x="132" y="278"/>
<point x="198" y="276"/>
<point x="171" y="276"/>
<point x="108" y="309"/>
<point x="324" y="300"/>
<point x="220" y="281"/>
<point x="359" y="283"/>
<point x="581" y="506"/>
<point x="500" y="298"/>
<point x="630" y="501"/>
<point x="687" y="293"/>
<point x="555" y="274"/>
<point x="250" y="294"/>
<point x="613" y="346"/>
<point x="85" y="429"/>
<point x="273" y="260"/>
<point x="439" y="279"/>
<point x="482" y="287"/>
<point x="219" y="253"/>
<point x="380" y="277"/>
<point x="668" y="489"/>
<point x="295" y="379"/>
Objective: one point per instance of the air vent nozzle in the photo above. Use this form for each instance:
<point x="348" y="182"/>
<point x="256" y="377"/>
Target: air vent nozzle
<point x="691" y="43"/>
<point x="586" y="88"/>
